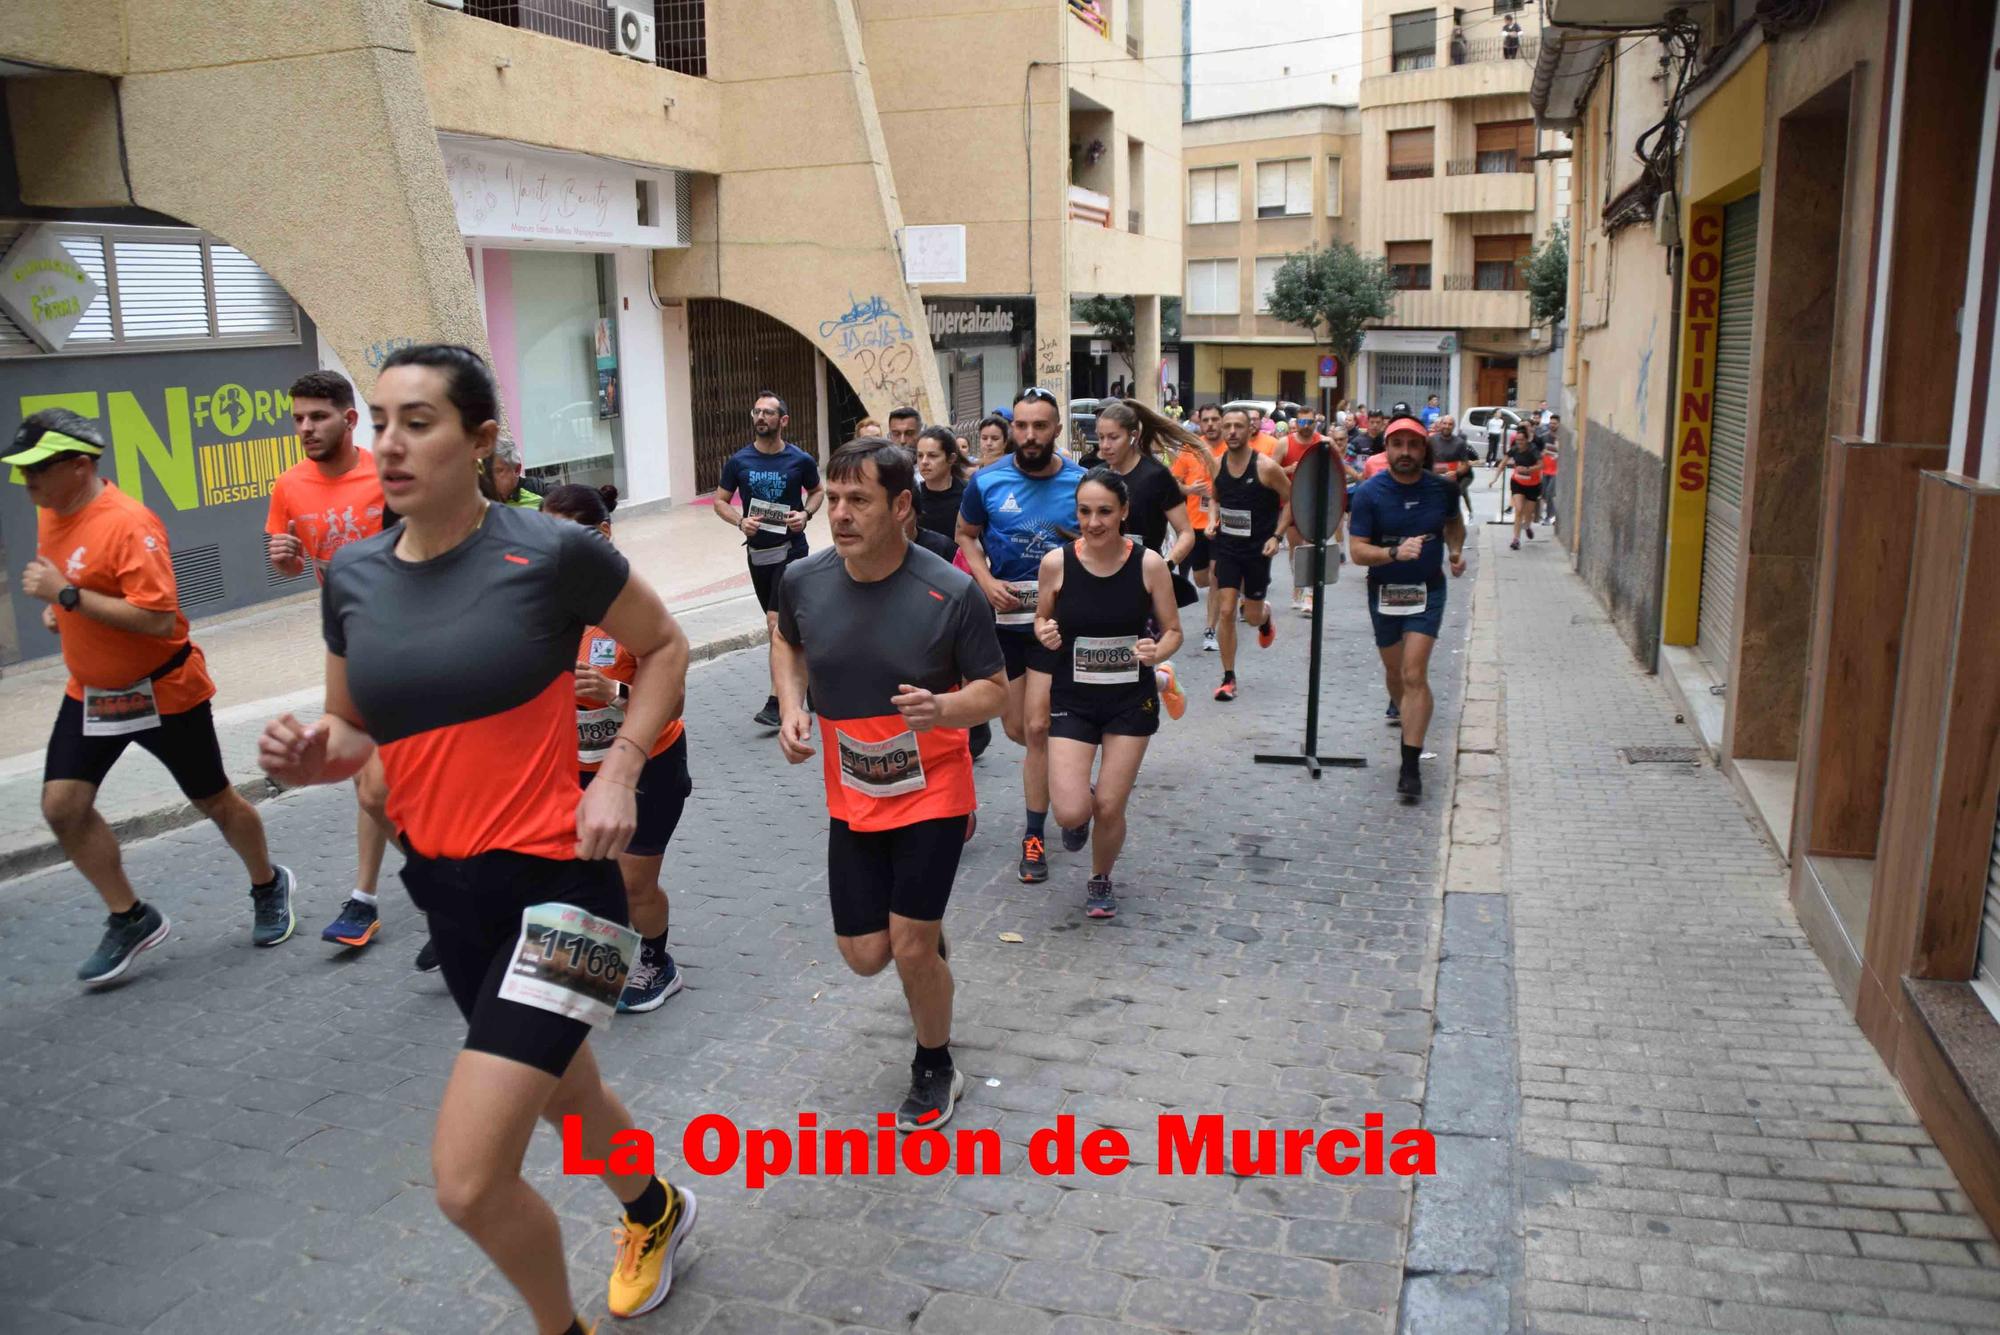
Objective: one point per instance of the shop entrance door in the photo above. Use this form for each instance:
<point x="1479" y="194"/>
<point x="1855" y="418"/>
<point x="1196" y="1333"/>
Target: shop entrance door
<point x="1498" y="378"/>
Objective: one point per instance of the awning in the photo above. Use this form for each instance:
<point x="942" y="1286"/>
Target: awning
<point x="1565" y="69"/>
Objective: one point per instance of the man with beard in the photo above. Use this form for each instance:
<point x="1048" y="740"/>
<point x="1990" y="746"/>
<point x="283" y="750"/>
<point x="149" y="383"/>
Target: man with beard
<point x="1453" y="459"/>
<point x="1197" y="484"/>
<point x="1015" y="512"/>
<point x="779" y="484"/>
<point x="320" y="504"/>
<point x="1253" y="505"/>
<point x="1403" y="522"/>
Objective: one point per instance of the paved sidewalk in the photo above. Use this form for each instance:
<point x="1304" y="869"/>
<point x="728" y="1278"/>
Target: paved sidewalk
<point x="1707" y="1142"/>
<point x="236" y="1140"/>
<point x="270" y="659"/>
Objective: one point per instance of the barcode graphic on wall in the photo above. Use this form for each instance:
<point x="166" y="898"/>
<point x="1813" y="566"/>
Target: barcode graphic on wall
<point x="243" y="470"/>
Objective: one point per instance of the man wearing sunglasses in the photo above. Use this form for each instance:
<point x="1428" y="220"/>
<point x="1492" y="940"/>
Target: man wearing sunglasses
<point x="101" y="565"/>
<point x="1014" y="512"/>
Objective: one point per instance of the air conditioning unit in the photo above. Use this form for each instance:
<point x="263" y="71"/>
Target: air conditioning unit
<point x="632" y="33"/>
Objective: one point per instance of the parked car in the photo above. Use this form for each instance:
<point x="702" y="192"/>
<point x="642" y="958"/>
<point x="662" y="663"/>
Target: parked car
<point x="1480" y="422"/>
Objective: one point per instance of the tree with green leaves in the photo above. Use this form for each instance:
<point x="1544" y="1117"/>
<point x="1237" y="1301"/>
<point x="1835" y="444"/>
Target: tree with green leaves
<point x="1114" y="320"/>
<point x="1332" y="294"/>
<point x="1546" y="272"/>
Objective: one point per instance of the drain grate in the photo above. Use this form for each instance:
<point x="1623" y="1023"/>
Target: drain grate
<point x="1660" y="755"/>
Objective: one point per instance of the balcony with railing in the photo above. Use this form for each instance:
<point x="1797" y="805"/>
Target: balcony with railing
<point x="1486" y="192"/>
<point x="680" y="27"/>
<point x="1476" y="50"/>
<point x="1088" y="206"/>
<point x="1418" y="70"/>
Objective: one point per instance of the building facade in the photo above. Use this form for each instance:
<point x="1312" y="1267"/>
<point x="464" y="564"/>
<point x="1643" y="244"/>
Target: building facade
<point x="642" y="214"/>
<point x="1458" y="193"/>
<point x="1782" y="476"/>
<point x="1260" y="186"/>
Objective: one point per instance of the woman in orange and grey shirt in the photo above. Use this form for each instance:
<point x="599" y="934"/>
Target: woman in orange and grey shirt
<point x="474" y="717"/>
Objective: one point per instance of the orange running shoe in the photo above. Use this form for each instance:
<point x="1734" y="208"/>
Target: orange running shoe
<point x="1268" y="632"/>
<point x="1227" y="691"/>
<point x="1171" y="694"/>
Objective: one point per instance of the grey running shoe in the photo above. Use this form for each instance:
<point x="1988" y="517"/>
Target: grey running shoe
<point x="1076" y="840"/>
<point x="652" y="980"/>
<point x="272" y="920"/>
<point x="932" y="1096"/>
<point x="121" y="945"/>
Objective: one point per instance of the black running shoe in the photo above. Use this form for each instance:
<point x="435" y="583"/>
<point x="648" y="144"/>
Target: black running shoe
<point x="427" y="958"/>
<point x="1393" y="716"/>
<point x="1099" y="901"/>
<point x="978" y="737"/>
<point x="1034" y="860"/>
<point x="1410" y="784"/>
<point x="121" y="945"/>
<point x="767" y="717"/>
<point x="932" y="1097"/>
<point x="1076" y="840"/>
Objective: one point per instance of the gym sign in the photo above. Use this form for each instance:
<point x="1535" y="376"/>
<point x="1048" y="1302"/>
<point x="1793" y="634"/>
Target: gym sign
<point x="47" y="292"/>
<point x="1694" y="421"/>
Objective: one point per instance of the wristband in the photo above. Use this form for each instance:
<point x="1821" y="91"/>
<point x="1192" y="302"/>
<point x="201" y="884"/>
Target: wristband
<point x="621" y="737"/>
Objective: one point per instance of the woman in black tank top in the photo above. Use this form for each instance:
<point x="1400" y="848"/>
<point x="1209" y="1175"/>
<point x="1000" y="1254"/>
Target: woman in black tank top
<point x="1106" y="623"/>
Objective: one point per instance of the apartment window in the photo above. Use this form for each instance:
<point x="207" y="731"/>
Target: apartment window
<point x="1413" y="40"/>
<point x="1410" y="265"/>
<point x="1412" y="153"/>
<point x="162" y="288"/>
<point x="1496" y="262"/>
<point x="1504" y="146"/>
<point x="1211" y="287"/>
<point x="1284" y="189"/>
<point x="1333" y="187"/>
<point x="1509" y="6"/>
<point x="1267" y="274"/>
<point x="1212" y="195"/>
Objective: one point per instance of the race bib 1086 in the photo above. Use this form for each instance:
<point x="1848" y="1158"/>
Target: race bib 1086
<point x="1105" y="660"/>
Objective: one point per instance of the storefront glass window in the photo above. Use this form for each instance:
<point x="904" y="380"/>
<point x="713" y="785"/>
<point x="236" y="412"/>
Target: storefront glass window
<point x="550" y="319"/>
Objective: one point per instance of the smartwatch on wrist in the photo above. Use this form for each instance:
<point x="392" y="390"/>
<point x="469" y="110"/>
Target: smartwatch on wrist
<point x="70" y="597"/>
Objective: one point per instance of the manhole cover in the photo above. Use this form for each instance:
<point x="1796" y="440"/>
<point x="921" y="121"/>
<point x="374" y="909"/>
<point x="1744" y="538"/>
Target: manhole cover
<point x="1660" y="755"/>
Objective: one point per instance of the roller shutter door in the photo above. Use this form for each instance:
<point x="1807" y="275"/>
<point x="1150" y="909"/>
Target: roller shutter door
<point x="1722" y="542"/>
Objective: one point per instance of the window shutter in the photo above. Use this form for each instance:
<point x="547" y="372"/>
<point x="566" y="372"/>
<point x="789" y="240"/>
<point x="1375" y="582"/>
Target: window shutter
<point x="1299" y="186"/>
<point x="1270" y="185"/>
<point x="1333" y="187"/>
<point x="1267" y="274"/>
<point x="1201" y="196"/>
<point x="1409" y="252"/>
<point x="1227" y="203"/>
<point x="161" y="289"/>
<point x="247" y="300"/>
<point x="1411" y="151"/>
<point x="1501" y="249"/>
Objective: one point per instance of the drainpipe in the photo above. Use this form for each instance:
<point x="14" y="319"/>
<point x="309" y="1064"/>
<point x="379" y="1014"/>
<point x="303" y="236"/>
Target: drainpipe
<point x="1675" y="257"/>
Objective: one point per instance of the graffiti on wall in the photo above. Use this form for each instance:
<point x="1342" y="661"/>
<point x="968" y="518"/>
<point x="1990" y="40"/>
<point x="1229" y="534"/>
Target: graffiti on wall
<point x="1051" y="367"/>
<point x="378" y="352"/>
<point x="874" y="342"/>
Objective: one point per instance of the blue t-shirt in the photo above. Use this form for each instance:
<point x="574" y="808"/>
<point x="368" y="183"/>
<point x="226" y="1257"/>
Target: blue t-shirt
<point x="780" y="479"/>
<point x="1430" y="414"/>
<point x="1024" y="518"/>
<point x="1385" y="511"/>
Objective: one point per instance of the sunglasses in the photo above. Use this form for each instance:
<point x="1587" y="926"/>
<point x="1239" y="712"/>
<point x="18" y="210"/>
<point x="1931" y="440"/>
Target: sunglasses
<point x="1036" y="394"/>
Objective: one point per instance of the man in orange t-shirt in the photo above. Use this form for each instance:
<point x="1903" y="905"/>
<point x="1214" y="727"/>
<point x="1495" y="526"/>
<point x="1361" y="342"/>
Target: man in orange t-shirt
<point x="320" y="504"/>
<point x="102" y="567"/>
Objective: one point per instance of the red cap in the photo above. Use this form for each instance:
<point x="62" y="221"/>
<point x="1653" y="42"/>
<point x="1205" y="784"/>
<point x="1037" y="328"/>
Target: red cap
<point x="1402" y="424"/>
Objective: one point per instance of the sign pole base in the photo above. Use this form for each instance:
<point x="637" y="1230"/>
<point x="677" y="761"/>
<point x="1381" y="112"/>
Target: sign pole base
<point x="1312" y="763"/>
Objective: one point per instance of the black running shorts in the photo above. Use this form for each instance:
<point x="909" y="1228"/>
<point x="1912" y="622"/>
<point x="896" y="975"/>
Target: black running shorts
<point x="1018" y="648"/>
<point x="1528" y="493"/>
<point x="1199" y="555"/>
<point x="764" y="579"/>
<point x="1237" y="570"/>
<point x="185" y="743"/>
<point x="663" y="791"/>
<point x="907" y="871"/>
<point x="474" y="906"/>
<point x="1081" y="721"/>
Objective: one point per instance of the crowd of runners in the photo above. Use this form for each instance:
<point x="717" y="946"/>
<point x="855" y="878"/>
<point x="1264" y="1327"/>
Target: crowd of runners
<point x="533" y="767"/>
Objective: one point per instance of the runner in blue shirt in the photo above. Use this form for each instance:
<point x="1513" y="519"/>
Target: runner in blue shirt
<point x="1402" y="525"/>
<point x="1015" y="512"/>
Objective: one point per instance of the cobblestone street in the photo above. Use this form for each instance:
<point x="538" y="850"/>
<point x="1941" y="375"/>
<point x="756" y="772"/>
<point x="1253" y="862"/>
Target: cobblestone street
<point x="236" y="1140"/>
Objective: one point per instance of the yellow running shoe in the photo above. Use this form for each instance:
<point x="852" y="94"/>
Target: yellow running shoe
<point x="644" y="1272"/>
<point x="1171" y="694"/>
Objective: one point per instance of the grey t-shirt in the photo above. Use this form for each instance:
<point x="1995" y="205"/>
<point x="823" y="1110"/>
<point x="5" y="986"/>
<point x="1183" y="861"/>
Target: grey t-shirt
<point x="480" y="630"/>
<point x="928" y="625"/>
